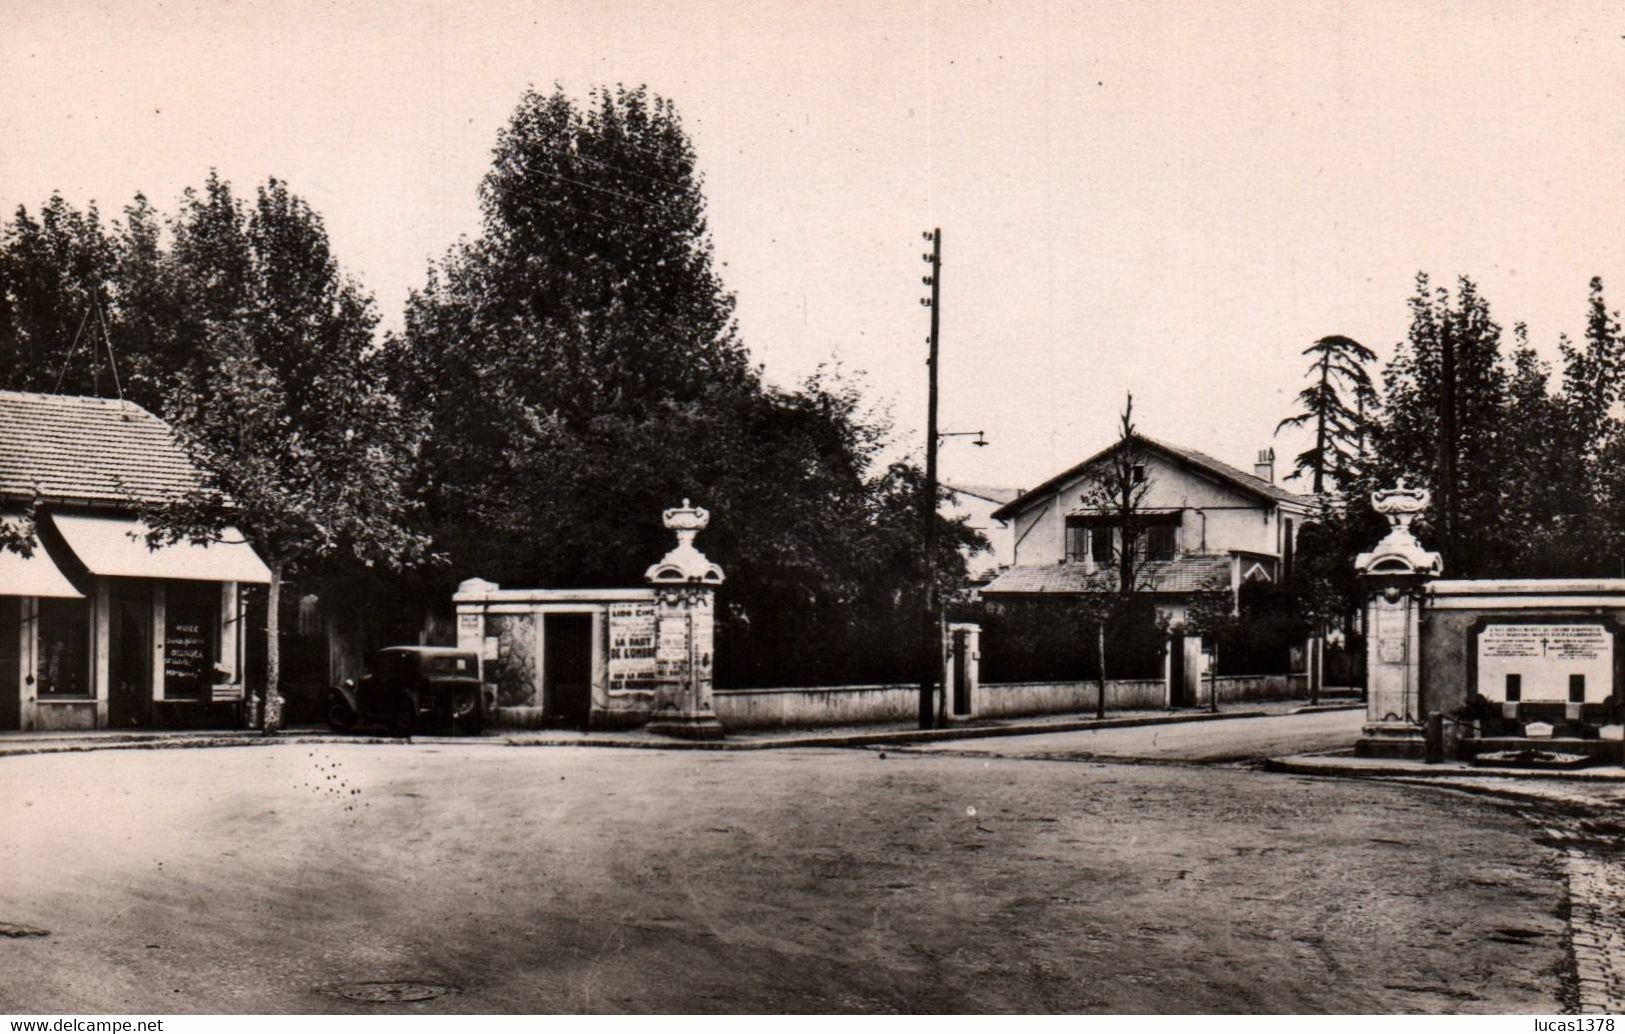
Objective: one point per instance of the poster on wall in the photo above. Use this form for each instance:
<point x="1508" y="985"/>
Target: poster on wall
<point x="633" y="631"/>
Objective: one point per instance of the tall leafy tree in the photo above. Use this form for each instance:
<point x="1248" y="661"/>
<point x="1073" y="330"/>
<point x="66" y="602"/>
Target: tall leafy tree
<point x="1456" y="439"/>
<point x="580" y="367"/>
<point x="590" y="296"/>
<point x="1339" y="403"/>
<point x="89" y="309"/>
<point x="286" y="412"/>
<point x="55" y="280"/>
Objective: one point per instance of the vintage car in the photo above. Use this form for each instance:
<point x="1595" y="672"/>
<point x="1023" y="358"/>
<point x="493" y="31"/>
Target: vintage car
<point x="411" y="688"/>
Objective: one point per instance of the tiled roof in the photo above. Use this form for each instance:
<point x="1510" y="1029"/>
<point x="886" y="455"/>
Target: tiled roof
<point x="1250" y="483"/>
<point x="1182" y="574"/>
<point x="988" y="492"/>
<point x="78" y="448"/>
<point x="1236" y="474"/>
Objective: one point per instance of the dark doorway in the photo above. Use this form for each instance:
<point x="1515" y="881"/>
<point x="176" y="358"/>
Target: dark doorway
<point x="129" y="660"/>
<point x="1176" y="671"/>
<point x="567" y="668"/>
<point x="961" y="682"/>
<point x="11" y="679"/>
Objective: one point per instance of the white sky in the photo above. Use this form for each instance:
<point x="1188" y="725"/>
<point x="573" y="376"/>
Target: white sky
<point x="1170" y="198"/>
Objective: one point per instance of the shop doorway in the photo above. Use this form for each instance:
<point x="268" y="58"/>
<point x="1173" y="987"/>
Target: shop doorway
<point x="129" y="660"/>
<point x="567" y="668"/>
<point x="11" y="674"/>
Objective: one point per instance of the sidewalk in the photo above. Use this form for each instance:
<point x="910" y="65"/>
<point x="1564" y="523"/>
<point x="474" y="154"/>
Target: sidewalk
<point x="17" y="743"/>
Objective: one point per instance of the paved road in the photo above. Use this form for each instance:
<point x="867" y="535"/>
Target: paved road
<point x="1228" y="740"/>
<point x="573" y="879"/>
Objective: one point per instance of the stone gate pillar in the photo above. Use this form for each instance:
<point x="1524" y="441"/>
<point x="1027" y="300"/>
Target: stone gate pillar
<point x="1393" y="576"/>
<point x="685" y="585"/>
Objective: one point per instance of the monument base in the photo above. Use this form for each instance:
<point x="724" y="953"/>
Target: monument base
<point x="687" y="725"/>
<point x="1391" y="740"/>
<point x="1594" y="751"/>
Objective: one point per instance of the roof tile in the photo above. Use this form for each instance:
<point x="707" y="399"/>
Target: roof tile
<point x="100" y="450"/>
<point x="1182" y="574"/>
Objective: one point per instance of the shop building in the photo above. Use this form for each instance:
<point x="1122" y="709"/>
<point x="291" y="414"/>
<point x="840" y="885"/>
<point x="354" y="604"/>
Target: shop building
<point x="98" y="629"/>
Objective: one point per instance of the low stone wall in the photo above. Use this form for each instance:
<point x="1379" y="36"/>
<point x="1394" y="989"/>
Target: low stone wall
<point x="817" y="705"/>
<point x="1241" y="688"/>
<point x="860" y="705"/>
<point x="1017" y="699"/>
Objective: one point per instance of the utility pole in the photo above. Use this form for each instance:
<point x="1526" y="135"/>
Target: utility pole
<point x="1447" y="446"/>
<point x="930" y="633"/>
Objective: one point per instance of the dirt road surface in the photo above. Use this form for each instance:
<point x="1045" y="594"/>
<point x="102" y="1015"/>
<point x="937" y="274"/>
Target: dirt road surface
<point x="581" y="880"/>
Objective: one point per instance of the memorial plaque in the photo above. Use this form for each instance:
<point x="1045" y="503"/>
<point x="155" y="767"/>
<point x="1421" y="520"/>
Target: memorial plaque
<point x="633" y="634"/>
<point x="1390" y="634"/>
<point x="1546" y="661"/>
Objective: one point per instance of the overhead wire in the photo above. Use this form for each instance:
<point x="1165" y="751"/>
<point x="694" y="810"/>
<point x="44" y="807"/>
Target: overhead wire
<point x="107" y="338"/>
<point x="71" y="350"/>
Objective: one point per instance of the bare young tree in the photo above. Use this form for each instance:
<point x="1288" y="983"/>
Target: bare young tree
<point x="1113" y="491"/>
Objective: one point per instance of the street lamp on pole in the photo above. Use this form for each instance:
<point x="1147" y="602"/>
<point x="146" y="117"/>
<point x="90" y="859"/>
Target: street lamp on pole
<point x="929" y="637"/>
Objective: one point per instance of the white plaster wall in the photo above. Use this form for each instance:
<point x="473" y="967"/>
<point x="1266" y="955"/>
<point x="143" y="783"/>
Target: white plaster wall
<point x="1234" y="520"/>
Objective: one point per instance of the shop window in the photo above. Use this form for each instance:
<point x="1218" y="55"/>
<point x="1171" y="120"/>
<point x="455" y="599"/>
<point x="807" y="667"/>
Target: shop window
<point x="64" y="648"/>
<point x="191" y="645"/>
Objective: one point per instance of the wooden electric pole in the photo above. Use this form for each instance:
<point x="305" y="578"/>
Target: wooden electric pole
<point x="1446" y="502"/>
<point x="930" y="632"/>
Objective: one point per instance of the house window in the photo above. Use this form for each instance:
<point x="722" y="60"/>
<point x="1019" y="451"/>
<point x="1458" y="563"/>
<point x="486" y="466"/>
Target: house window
<point x="1076" y="542"/>
<point x="1159" y="541"/>
<point x="1286" y="550"/>
<point x="1139" y="473"/>
<point x="64" y="648"/>
<point x="1100" y="545"/>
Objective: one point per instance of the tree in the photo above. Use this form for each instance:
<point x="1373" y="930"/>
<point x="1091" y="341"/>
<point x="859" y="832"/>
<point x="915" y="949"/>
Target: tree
<point x="287" y="415"/>
<point x="1445" y="394"/>
<point x="1340" y="401"/>
<point x="1114" y="487"/>
<point x="54" y="287"/>
<point x="580" y="368"/>
<point x="589" y="298"/>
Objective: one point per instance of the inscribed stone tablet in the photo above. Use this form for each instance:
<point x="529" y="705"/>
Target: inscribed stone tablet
<point x="1547" y="658"/>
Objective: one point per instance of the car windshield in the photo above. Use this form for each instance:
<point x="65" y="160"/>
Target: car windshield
<point x="457" y="664"/>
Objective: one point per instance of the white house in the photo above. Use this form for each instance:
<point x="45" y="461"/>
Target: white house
<point x="1211" y="525"/>
<point x="977" y="504"/>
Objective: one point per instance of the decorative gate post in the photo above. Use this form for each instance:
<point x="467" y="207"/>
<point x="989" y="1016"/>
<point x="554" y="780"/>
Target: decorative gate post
<point x="685" y="585"/>
<point x="1392" y="577"/>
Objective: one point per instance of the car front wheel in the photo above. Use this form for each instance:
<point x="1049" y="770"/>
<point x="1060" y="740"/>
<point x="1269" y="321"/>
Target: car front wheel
<point x="466" y="713"/>
<point x="339" y="716"/>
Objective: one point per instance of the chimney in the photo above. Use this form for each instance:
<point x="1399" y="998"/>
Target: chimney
<point x="1264" y="469"/>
